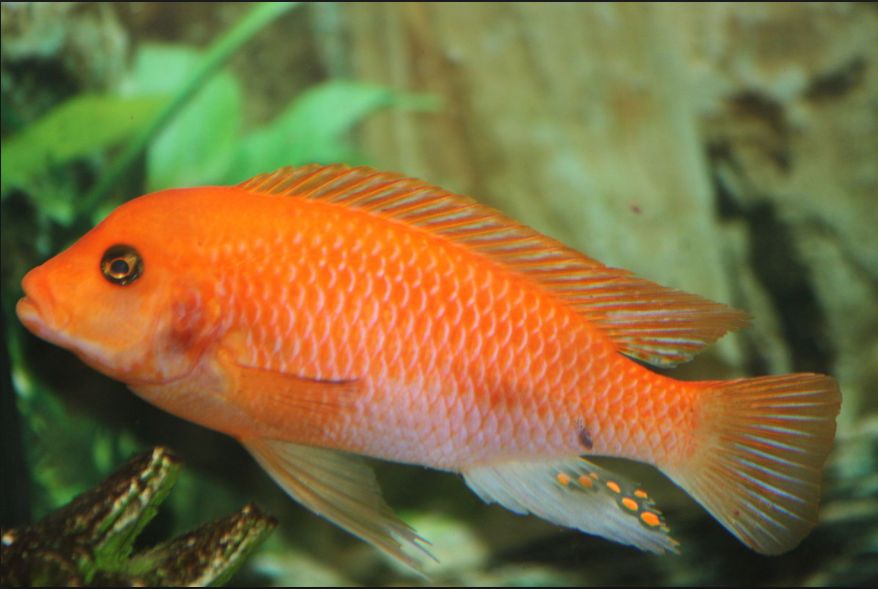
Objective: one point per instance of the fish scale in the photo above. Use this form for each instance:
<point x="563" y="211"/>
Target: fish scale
<point x="461" y="293"/>
<point x="325" y="311"/>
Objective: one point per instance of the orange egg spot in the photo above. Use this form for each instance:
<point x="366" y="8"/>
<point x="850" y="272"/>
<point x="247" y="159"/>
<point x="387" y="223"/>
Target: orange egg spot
<point x="594" y="475"/>
<point x="614" y="487"/>
<point x="563" y="479"/>
<point x="630" y="503"/>
<point x="585" y="481"/>
<point x="640" y="494"/>
<point x="650" y="519"/>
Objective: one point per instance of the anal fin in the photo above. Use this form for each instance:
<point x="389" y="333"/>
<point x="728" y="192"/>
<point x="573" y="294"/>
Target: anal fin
<point x="576" y="493"/>
<point x="341" y="488"/>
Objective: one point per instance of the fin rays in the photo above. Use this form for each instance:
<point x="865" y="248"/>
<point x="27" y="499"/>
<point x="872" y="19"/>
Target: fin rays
<point x="576" y="493"/>
<point x="649" y="322"/>
<point x="341" y="488"/>
<point x="760" y="454"/>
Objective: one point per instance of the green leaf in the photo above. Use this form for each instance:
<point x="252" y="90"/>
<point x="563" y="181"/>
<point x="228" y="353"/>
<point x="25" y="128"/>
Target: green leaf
<point x="315" y="127"/>
<point x="160" y="69"/>
<point x="197" y="145"/>
<point x="260" y="15"/>
<point x="76" y="128"/>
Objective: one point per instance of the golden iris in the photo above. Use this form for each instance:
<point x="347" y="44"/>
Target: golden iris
<point x="121" y="264"/>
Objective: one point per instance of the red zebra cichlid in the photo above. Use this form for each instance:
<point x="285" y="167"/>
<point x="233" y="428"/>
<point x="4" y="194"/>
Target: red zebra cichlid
<point x="320" y="313"/>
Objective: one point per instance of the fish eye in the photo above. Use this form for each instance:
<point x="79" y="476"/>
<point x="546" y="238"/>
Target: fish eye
<point x="121" y="264"/>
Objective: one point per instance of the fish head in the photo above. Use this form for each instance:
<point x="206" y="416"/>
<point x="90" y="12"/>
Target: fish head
<point x="123" y="297"/>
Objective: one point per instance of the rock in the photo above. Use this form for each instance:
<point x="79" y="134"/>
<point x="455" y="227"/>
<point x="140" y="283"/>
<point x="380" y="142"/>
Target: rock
<point x="89" y="541"/>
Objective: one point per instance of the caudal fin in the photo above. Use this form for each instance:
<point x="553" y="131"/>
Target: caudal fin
<point x="759" y="454"/>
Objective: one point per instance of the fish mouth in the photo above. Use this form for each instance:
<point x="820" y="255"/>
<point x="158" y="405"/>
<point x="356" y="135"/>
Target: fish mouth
<point x="39" y="312"/>
<point x="35" y="320"/>
<point x="27" y="311"/>
<point x="50" y="327"/>
<point x="29" y="314"/>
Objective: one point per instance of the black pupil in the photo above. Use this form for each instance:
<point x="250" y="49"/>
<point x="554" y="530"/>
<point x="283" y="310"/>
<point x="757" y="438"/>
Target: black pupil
<point x="119" y="267"/>
<point x="121" y="264"/>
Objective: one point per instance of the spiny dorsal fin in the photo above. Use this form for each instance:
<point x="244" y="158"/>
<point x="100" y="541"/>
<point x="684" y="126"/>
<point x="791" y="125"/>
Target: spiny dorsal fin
<point x="647" y="321"/>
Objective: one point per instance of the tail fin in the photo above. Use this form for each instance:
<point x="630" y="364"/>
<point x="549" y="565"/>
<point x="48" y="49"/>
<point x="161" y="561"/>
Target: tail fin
<point x="759" y="455"/>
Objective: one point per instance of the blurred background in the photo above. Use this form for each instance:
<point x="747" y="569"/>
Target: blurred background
<point x="729" y="150"/>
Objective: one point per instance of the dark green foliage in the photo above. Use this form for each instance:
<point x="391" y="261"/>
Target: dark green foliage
<point x="174" y="119"/>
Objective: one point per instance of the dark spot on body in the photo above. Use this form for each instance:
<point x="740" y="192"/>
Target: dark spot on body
<point x="584" y="437"/>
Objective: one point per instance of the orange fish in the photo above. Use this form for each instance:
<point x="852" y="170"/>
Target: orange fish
<point x="320" y="313"/>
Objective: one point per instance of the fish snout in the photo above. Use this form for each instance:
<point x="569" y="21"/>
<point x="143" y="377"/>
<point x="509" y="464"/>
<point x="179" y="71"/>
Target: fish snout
<point x="39" y="310"/>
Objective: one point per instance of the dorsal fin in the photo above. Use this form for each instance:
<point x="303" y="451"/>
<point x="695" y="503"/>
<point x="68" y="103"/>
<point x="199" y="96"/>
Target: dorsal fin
<point x="647" y="321"/>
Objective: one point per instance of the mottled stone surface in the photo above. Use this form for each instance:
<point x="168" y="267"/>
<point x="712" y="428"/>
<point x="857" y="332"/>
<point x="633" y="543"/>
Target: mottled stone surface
<point x="89" y="540"/>
<point x="724" y="149"/>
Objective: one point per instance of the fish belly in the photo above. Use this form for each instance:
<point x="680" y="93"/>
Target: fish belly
<point x="568" y="399"/>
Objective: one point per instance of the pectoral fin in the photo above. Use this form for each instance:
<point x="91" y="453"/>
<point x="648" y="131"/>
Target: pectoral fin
<point x="290" y="405"/>
<point x="341" y="488"/>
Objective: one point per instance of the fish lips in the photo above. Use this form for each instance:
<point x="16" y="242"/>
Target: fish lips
<point x="39" y="311"/>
